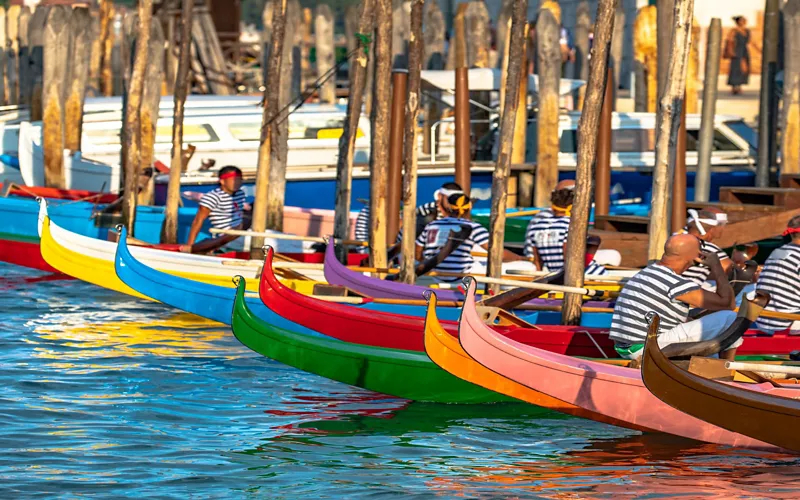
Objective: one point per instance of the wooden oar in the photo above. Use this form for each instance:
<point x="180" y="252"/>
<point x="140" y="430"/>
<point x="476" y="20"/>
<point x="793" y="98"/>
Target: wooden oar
<point x="762" y="367"/>
<point x="290" y="237"/>
<point x="522" y="213"/>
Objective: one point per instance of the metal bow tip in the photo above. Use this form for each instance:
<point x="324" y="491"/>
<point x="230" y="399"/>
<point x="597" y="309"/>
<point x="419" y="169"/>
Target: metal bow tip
<point x="237" y="279"/>
<point x="266" y="248"/>
<point x="427" y="294"/>
<point x="119" y="227"/>
<point x="467" y="281"/>
<point x="650" y="316"/>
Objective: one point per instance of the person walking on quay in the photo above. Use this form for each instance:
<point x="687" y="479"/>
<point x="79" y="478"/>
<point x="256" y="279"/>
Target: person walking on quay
<point x="736" y="50"/>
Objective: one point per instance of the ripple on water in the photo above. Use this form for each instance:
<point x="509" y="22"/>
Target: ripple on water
<point x="102" y="394"/>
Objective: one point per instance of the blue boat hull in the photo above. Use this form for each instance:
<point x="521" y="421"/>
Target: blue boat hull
<point x="322" y="193"/>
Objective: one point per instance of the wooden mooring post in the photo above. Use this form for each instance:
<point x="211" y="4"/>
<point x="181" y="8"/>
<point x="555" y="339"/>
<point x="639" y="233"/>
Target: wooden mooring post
<point x="596" y="93"/>
<point x="169" y="231"/>
<point x="602" y="188"/>
<point x="462" y="115"/>
<point x="82" y="39"/>
<point x="323" y="38"/>
<point x="396" y="133"/>
<point x="347" y="142"/>
<point x="36" y="35"/>
<point x="133" y="105"/>
<point x="790" y="138"/>
<point x="645" y="57"/>
<point x="379" y="148"/>
<point x="669" y="122"/>
<point x="12" y="53"/>
<point x="768" y="100"/>
<point x="678" y="198"/>
<point x="702" y="180"/>
<point x="148" y="114"/>
<point x="497" y="218"/>
<point x="549" y="67"/>
<point x="56" y="71"/>
<point x="271" y="109"/>
<point x="415" y="57"/>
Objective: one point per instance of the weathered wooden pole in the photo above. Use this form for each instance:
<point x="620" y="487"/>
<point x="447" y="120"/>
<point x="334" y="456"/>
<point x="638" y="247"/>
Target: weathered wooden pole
<point x="602" y="189"/>
<point x="596" y="92"/>
<point x="618" y="47"/>
<point x="276" y="187"/>
<point x="12" y="52"/>
<point x="107" y="79"/>
<point x="497" y="219"/>
<point x="303" y="42"/>
<point x="132" y="132"/>
<point x="678" y="199"/>
<point x="169" y="232"/>
<point x="271" y="108"/>
<point x="462" y="119"/>
<point x="396" y="132"/>
<point x="24" y="56"/>
<point x="347" y="142"/>
<point x="583" y="24"/>
<point x="664" y="26"/>
<point x="693" y="71"/>
<point x="379" y="149"/>
<point x="323" y="39"/>
<point x="525" y="178"/>
<point x="768" y="102"/>
<point x="549" y="66"/>
<point x="415" y="57"/>
<point x="434" y="58"/>
<point x="56" y="68"/>
<point x="502" y="29"/>
<point x="645" y="59"/>
<point x="36" y="36"/>
<point x="667" y="132"/>
<point x="170" y="43"/>
<point x="82" y="38"/>
<point x="790" y="138"/>
<point x="148" y="114"/>
<point x="478" y="41"/>
<point x="702" y="180"/>
<point x="96" y="61"/>
<point x="370" y="84"/>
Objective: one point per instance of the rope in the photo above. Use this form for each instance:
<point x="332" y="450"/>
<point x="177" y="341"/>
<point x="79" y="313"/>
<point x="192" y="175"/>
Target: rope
<point x="363" y="44"/>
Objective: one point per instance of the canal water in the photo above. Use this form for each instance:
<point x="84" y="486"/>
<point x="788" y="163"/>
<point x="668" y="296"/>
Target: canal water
<point x="106" y="396"/>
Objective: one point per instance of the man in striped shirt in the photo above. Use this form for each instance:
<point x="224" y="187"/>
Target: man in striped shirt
<point x="546" y="235"/>
<point x="223" y="206"/>
<point x="435" y="235"/>
<point x="662" y="288"/>
<point x="780" y="278"/>
<point x="436" y="208"/>
<point x="707" y="225"/>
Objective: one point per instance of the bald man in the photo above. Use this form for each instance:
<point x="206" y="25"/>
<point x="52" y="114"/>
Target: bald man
<point x="662" y="288"/>
<point x="546" y="234"/>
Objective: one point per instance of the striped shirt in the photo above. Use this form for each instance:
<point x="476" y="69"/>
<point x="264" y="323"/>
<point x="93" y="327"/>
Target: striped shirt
<point x="595" y="269"/>
<point x="435" y="235"/>
<point x="226" y="210"/>
<point x="362" y="221"/>
<point x="653" y="289"/>
<point x="698" y="272"/>
<point x="547" y="233"/>
<point x="780" y="278"/>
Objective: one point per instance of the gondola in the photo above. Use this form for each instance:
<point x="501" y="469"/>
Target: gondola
<point x="403" y="374"/>
<point x="754" y="410"/>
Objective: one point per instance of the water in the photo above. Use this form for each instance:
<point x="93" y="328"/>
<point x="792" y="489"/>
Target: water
<point x="105" y="396"/>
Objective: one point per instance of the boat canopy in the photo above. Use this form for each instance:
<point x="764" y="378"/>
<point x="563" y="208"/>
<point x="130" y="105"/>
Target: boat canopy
<point x="490" y="79"/>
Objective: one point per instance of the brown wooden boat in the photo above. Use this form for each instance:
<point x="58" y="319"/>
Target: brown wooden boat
<point x="765" y="411"/>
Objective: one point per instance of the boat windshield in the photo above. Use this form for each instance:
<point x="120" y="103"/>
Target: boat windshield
<point x="744" y="131"/>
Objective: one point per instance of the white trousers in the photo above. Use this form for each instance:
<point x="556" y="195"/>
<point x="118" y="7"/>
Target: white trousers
<point x="705" y="328"/>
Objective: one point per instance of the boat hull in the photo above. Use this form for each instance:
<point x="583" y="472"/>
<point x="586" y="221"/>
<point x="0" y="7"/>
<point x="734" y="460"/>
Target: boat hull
<point x="760" y="411"/>
<point x="403" y="374"/>
<point x="23" y="253"/>
<point x="613" y="391"/>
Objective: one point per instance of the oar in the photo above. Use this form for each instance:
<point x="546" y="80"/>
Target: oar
<point x="761" y="367"/>
<point x="290" y="237"/>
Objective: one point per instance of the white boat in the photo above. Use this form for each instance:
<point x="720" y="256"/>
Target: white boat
<point x="229" y="138"/>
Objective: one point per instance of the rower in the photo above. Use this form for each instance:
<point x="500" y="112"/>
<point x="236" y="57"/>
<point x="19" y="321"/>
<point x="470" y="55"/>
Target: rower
<point x="780" y="278"/>
<point x="663" y="288"/>
<point x="435" y="209"/>
<point x="223" y="206"/>
<point x="706" y="225"/>
<point x="546" y="235"/>
<point x="436" y="233"/>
